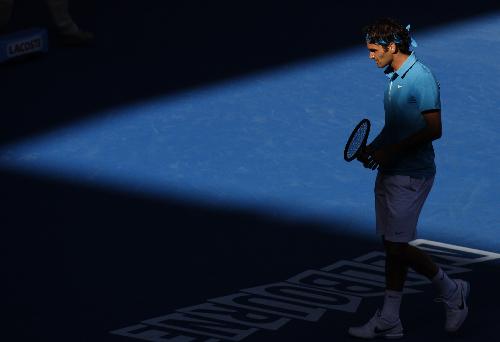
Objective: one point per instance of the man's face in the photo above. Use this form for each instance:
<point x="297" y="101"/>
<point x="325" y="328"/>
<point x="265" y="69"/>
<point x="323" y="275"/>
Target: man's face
<point x="381" y="57"/>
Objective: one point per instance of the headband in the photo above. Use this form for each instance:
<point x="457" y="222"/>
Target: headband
<point x="396" y="39"/>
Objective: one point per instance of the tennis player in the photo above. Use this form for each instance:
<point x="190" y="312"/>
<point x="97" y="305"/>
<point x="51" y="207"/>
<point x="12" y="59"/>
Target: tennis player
<point x="404" y="156"/>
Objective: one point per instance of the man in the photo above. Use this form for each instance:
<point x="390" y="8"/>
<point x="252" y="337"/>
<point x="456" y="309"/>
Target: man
<point x="404" y="156"/>
<point x="69" y="32"/>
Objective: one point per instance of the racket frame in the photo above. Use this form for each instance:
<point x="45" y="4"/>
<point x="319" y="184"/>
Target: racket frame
<point x="351" y="137"/>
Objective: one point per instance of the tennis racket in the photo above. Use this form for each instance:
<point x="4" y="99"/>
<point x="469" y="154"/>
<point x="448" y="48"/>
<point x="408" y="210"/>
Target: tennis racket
<point x="357" y="140"/>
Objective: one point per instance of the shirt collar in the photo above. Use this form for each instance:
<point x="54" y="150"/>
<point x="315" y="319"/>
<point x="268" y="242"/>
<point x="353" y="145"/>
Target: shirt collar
<point x="403" y="69"/>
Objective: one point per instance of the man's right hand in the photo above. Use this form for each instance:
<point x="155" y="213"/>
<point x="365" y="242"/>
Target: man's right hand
<point x="365" y="157"/>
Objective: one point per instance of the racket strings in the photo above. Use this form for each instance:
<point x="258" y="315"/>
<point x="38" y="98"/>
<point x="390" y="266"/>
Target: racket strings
<point x="357" y="140"/>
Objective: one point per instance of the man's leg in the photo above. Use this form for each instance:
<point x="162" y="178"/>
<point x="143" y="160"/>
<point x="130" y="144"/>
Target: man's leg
<point x="60" y="14"/>
<point x="386" y="323"/>
<point x="68" y="29"/>
<point x="398" y="203"/>
<point x="5" y="13"/>
<point x="396" y="267"/>
<point x="400" y="256"/>
<point x="420" y="262"/>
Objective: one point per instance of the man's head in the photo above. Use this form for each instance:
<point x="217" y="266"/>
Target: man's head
<point x="386" y="39"/>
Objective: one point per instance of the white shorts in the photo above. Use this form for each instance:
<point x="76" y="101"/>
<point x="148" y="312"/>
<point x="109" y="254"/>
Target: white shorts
<point x="398" y="203"/>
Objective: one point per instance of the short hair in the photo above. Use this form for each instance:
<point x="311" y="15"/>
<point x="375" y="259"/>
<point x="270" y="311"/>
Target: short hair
<point x="387" y="30"/>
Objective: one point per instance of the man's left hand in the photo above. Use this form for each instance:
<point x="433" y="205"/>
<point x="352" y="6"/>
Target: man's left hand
<point x="382" y="157"/>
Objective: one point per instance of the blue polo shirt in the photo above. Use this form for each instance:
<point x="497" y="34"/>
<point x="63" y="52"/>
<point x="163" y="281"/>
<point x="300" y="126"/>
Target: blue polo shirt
<point x="412" y="89"/>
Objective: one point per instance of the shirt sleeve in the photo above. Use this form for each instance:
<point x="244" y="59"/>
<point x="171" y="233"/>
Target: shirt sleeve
<point x="428" y="93"/>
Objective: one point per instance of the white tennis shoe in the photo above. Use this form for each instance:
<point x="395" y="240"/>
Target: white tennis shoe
<point x="378" y="327"/>
<point x="456" y="306"/>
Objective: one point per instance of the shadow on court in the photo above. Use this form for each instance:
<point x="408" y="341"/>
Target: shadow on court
<point x="81" y="262"/>
<point x="159" y="48"/>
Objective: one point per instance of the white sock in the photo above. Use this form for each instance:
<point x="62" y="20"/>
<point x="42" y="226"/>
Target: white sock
<point x="444" y="284"/>
<point x="392" y="303"/>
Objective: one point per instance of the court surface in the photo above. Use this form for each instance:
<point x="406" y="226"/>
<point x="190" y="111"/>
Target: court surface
<point x="223" y="210"/>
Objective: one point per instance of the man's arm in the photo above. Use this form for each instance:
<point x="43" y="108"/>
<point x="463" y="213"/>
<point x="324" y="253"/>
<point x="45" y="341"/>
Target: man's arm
<point x="378" y="141"/>
<point x="431" y="131"/>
